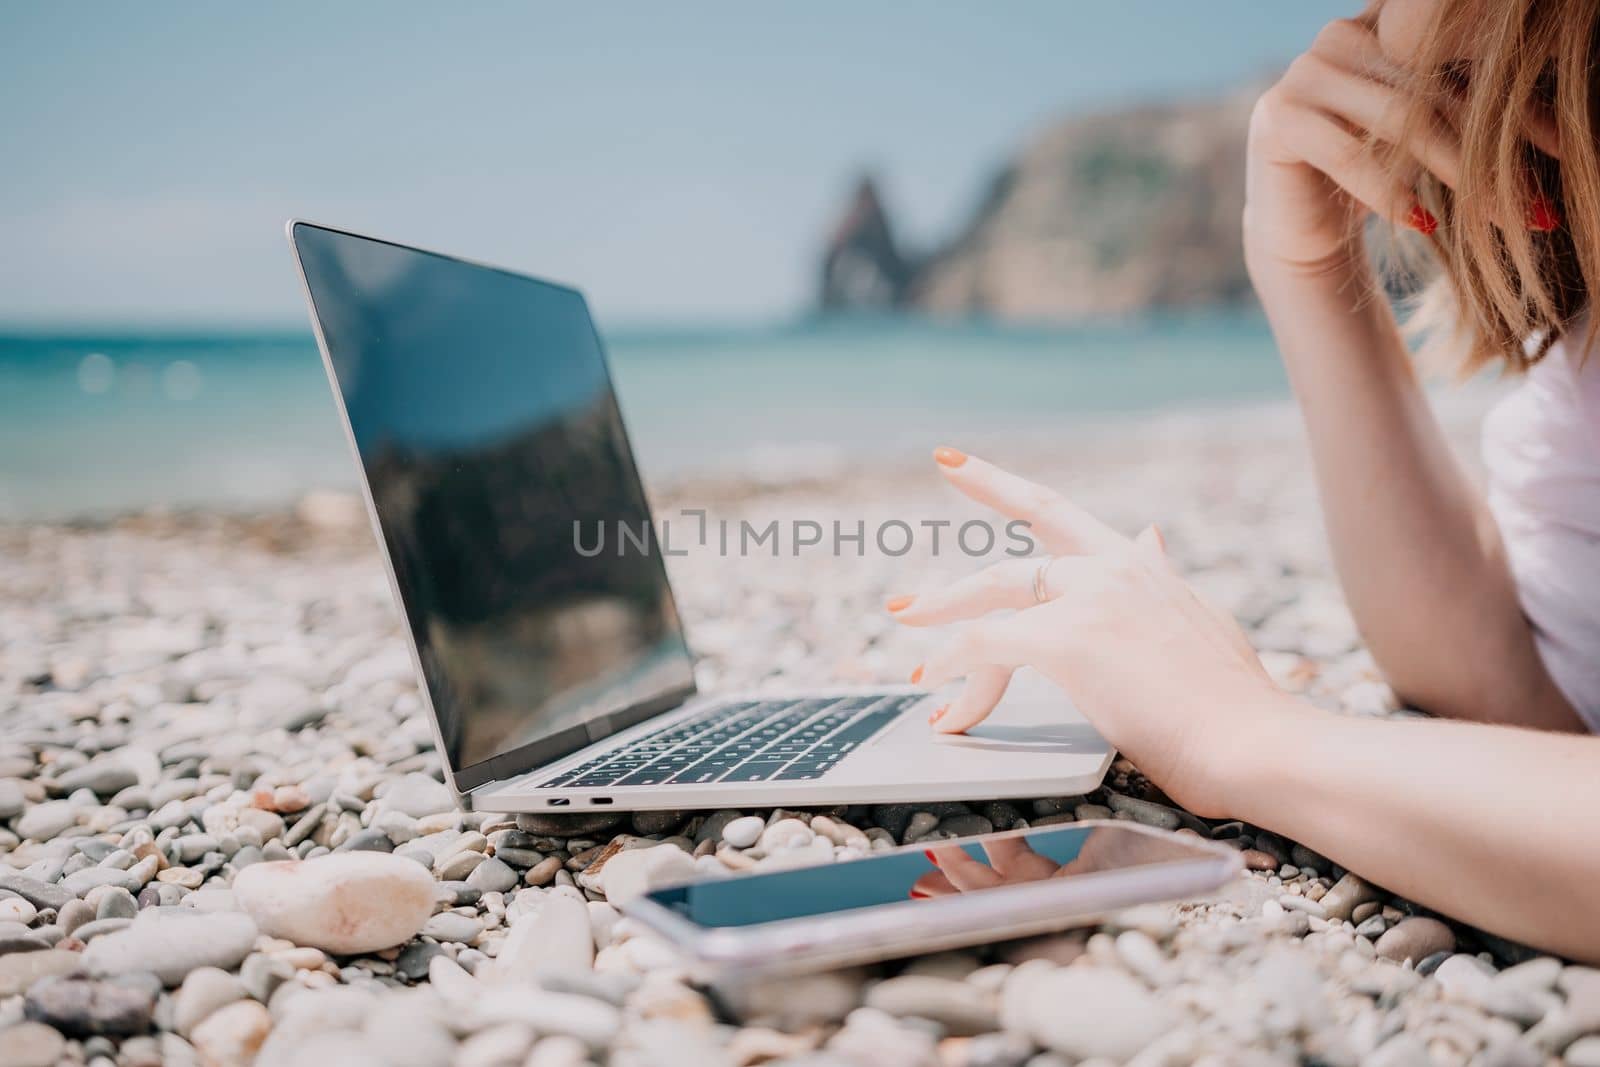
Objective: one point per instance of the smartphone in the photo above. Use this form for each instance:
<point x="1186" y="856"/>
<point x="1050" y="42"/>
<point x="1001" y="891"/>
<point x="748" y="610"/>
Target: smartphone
<point x="918" y="899"/>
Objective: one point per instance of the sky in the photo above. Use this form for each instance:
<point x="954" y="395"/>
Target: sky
<point x="681" y="163"/>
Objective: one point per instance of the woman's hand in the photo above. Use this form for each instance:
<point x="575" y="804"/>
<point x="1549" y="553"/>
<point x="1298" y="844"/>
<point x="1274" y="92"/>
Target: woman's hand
<point x="1166" y="678"/>
<point x="1311" y="175"/>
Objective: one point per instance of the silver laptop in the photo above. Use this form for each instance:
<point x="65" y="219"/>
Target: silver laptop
<point x="493" y="456"/>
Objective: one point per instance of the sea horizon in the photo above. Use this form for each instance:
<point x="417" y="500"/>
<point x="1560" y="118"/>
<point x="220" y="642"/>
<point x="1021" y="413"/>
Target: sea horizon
<point x="102" y="421"/>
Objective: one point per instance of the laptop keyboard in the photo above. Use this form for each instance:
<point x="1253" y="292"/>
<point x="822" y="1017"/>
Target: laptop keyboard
<point x="750" y="741"/>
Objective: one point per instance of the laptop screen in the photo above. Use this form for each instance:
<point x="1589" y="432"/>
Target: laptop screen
<point x="495" y="456"/>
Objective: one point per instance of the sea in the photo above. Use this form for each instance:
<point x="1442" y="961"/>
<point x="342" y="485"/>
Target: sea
<point x="97" y="423"/>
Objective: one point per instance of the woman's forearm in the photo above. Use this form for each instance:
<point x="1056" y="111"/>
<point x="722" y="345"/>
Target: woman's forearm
<point x="1418" y="554"/>
<point x="1481" y="823"/>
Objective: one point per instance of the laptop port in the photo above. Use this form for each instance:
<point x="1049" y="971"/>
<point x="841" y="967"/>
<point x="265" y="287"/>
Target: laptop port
<point x="599" y="800"/>
<point x="559" y="802"/>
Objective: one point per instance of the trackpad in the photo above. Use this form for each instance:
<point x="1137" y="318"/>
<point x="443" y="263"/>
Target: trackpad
<point x="992" y="736"/>
<point x="1035" y="716"/>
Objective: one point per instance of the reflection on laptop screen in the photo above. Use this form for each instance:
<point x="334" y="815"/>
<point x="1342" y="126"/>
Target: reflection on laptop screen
<point x="486" y="425"/>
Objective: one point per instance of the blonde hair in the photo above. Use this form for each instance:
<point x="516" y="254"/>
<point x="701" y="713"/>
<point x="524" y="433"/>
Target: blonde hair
<point x="1504" y="290"/>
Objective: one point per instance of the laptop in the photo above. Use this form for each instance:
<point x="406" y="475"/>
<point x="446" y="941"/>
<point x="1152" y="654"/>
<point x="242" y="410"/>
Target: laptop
<point x="493" y="458"/>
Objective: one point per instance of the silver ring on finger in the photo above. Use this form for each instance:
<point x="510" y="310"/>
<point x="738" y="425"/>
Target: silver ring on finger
<point x="1041" y="587"/>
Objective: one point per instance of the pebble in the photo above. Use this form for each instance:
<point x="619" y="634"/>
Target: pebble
<point x="631" y="872"/>
<point x="79" y="883"/>
<point x="368" y="840"/>
<point x="543" y="872"/>
<point x="1414" y="938"/>
<point x="593" y="1022"/>
<point x="344" y="902"/>
<point x="42" y="822"/>
<point x="204" y="991"/>
<point x="13" y="800"/>
<point x="91" y="930"/>
<point x="171" y="942"/>
<point x="450" y="926"/>
<point x="82" y="1007"/>
<point x="1347" y="895"/>
<point x="116" y="902"/>
<point x="953" y="1004"/>
<point x="1584" y="1052"/>
<point x="19" y="970"/>
<point x="1144" y="811"/>
<point x="743" y="832"/>
<point x="1088" y="1011"/>
<point x="31" y="1044"/>
<point x="232" y="1035"/>
<point x="556" y="939"/>
<point x="16" y="910"/>
<point x="573" y="825"/>
<point x="38" y="893"/>
<point x="493" y="876"/>
<point x="785" y="834"/>
<point x="103" y="777"/>
<point x="457" y="867"/>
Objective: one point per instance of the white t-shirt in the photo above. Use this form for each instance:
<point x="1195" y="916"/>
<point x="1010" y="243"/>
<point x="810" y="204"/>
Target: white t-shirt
<point x="1541" y="446"/>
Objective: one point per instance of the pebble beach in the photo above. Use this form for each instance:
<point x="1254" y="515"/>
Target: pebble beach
<point x="225" y="840"/>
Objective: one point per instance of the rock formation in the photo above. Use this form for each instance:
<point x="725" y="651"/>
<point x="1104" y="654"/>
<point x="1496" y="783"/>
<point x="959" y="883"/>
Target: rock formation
<point x="862" y="268"/>
<point x="1116" y="212"/>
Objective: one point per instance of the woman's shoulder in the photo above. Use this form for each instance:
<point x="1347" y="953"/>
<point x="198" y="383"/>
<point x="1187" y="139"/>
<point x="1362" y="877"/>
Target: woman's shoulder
<point x="1541" y="442"/>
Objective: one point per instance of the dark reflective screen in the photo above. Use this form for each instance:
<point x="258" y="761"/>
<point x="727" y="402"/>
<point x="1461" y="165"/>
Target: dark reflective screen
<point x="942" y="870"/>
<point x="486" y="424"/>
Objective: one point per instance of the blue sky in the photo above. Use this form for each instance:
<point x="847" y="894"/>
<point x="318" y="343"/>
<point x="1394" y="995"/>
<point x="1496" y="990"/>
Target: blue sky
<point x="679" y="162"/>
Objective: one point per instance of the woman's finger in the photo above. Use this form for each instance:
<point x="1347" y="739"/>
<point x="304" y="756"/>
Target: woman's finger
<point x="1153" y="546"/>
<point x="1348" y="161"/>
<point x="1061" y="526"/>
<point x="1010" y="585"/>
<point x="987" y="642"/>
<point x="1377" y="108"/>
<point x="1016" y="861"/>
<point x="932" y="884"/>
<point x="979" y="696"/>
<point x="964" y="872"/>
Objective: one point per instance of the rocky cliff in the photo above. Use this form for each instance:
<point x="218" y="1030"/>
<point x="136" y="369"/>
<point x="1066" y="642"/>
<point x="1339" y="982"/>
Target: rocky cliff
<point x="1102" y="214"/>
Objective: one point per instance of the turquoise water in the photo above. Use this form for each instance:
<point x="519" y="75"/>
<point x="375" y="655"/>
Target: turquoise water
<point x="93" y="425"/>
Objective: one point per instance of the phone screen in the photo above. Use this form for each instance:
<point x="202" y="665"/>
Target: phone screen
<point x="943" y="869"/>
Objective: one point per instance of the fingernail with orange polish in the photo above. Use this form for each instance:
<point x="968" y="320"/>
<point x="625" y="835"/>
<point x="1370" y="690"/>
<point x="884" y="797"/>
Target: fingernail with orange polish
<point x="917" y="894"/>
<point x="898" y="603"/>
<point x="949" y="457"/>
<point x="928" y="852"/>
<point x="1542" y="215"/>
<point x="938" y="713"/>
<point x="916" y="675"/>
<point x="1422" y="220"/>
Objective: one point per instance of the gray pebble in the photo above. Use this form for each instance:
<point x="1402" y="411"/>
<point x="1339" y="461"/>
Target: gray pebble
<point x="448" y="926"/>
<point x="367" y="840"/>
<point x="91" y="930"/>
<point x="80" y="1007"/>
<point x="966" y="825"/>
<point x="1144" y="811"/>
<point x="116" y="903"/>
<point x="712" y="825"/>
<point x="567" y="825"/>
<point x="920" y="825"/>
<point x="518" y="857"/>
<point x="413" y="960"/>
<point x="493" y="876"/>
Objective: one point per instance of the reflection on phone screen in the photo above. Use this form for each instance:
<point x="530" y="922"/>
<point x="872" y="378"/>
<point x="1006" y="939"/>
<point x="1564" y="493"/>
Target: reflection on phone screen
<point x="941" y="870"/>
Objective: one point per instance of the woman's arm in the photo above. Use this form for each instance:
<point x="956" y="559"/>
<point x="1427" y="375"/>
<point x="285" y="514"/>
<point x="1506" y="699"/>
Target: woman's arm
<point x="1419" y="555"/>
<point x="1488" y="824"/>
